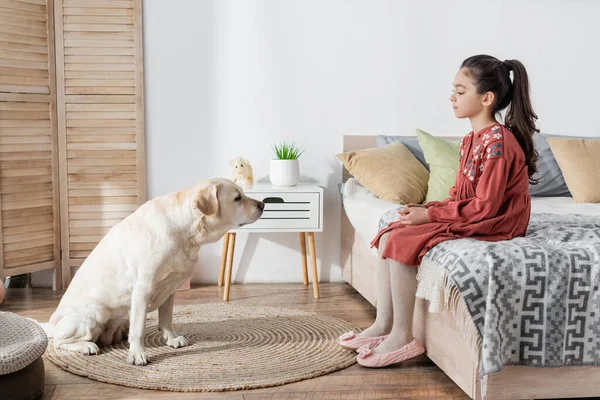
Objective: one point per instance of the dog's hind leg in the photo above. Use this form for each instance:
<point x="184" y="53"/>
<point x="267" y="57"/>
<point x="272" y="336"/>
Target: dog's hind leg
<point x="81" y="347"/>
<point x="165" y="324"/>
<point x="77" y="333"/>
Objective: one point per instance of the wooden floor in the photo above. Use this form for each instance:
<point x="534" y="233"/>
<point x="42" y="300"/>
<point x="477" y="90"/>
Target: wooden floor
<point x="416" y="379"/>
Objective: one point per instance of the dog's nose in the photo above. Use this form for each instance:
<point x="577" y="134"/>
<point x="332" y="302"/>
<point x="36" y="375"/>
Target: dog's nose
<point x="261" y="205"/>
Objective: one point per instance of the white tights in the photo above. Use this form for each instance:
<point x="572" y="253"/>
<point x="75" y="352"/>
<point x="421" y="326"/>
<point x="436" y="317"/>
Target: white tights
<point x="396" y="288"/>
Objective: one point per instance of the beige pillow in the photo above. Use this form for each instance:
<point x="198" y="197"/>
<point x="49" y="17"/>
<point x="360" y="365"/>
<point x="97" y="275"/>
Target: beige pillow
<point x="391" y="173"/>
<point x="579" y="160"/>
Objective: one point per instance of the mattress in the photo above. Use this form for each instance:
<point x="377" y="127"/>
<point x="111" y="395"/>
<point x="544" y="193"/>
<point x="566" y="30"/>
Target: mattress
<point x="364" y="209"/>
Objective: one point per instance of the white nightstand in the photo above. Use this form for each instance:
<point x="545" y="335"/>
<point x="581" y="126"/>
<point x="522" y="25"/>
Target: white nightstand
<point x="287" y="209"/>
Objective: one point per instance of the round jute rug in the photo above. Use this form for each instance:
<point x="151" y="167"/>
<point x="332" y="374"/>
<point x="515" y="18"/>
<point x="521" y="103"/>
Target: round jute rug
<point x="232" y="347"/>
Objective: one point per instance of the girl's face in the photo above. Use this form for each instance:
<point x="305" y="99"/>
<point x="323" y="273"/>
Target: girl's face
<point x="467" y="103"/>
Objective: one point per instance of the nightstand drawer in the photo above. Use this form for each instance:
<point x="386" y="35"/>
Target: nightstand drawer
<point x="287" y="211"/>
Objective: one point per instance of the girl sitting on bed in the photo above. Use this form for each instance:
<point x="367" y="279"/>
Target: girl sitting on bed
<point x="489" y="201"/>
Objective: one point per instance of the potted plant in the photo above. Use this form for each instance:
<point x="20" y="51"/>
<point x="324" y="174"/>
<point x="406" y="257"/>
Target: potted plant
<point x="285" y="169"/>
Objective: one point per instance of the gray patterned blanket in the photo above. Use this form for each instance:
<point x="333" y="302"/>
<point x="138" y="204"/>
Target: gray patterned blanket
<point x="535" y="300"/>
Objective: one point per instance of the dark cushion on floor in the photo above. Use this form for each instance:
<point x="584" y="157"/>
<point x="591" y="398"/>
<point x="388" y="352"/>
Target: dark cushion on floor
<point x="27" y="383"/>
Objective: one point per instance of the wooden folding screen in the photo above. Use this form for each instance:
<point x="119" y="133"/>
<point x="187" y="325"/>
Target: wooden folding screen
<point x="29" y="220"/>
<point x="100" y="120"/>
<point x="71" y="128"/>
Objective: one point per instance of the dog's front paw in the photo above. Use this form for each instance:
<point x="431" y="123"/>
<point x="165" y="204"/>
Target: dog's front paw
<point x="177" y="342"/>
<point x="137" y="358"/>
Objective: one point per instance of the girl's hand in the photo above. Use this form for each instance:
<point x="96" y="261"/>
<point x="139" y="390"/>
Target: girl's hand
<point x="404" y="210"/>
<point x="414" y="215"/>
<point x="415" y="205"/>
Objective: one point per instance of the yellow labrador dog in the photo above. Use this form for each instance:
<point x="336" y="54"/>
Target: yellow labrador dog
<point x="139" y="264"/>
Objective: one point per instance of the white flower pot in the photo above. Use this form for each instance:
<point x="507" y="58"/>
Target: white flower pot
<point x="284" y="172"/>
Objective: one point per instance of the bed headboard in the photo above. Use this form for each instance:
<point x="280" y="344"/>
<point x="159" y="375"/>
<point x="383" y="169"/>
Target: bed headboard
<point x="353" y="142"/>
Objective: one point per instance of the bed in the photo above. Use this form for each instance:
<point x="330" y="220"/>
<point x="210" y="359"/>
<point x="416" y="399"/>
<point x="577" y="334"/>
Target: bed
<point x="448" y="335"/>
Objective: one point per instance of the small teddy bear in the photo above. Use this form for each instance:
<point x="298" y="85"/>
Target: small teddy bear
<point x="242" y="172"/>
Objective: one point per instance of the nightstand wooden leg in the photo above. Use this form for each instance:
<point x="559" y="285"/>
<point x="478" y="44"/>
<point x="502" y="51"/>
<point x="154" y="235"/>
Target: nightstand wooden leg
<point x="313" y="261"/>
<point x="224" y="257"/>
<point x="229" y="266"/>
<point x="303" y="251"/>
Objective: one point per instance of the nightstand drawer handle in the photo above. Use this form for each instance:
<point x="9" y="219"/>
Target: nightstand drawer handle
<point x="273" y="200"/>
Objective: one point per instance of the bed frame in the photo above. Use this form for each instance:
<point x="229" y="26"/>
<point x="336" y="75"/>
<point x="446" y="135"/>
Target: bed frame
<point x="445" y="345"/>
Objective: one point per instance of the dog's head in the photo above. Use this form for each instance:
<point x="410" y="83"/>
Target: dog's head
<point x="223" y="206"/>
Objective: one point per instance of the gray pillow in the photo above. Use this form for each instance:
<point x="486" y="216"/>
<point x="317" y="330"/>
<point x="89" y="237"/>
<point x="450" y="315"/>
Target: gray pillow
<point x="551" y="181"/>
<point x="411" y="143"/>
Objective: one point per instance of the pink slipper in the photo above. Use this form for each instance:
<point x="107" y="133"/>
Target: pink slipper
<point x="349" y="340"/>
<point x="367" y="358"/>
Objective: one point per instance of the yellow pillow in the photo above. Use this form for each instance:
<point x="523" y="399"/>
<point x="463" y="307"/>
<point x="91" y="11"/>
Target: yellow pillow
<point x="579" y="160"/>
<point x="391" y="173"/>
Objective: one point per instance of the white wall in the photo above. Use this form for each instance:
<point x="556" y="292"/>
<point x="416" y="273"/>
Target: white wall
<point x="226" y="78"/>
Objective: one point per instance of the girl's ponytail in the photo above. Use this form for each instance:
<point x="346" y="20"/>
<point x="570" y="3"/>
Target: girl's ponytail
<point x="520" y="117"/>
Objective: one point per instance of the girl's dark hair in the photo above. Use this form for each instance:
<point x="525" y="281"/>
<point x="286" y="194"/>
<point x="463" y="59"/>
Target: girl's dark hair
<point x="492" y="75"/>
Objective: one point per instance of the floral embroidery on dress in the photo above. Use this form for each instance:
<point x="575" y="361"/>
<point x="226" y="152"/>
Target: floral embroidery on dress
<point x="485" y="146"/>
<point x="496" y="134"/>
<point x="470" y="170"/>
<point x="495" y="150"/>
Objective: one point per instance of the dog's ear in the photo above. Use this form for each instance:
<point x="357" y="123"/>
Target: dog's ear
<point x="207" y="200"/>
